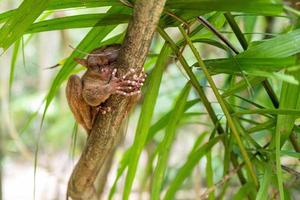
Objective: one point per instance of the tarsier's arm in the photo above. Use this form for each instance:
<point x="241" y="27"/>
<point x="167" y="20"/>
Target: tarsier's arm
<point x="96" y="92"/>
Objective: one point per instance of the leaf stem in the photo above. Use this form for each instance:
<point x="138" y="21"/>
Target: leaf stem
<point x="223" y="106"/>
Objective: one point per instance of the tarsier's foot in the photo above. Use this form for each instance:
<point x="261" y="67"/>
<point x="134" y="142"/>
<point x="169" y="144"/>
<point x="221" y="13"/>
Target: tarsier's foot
<point x="99" y="109"/>
<point x="128" y="86"/>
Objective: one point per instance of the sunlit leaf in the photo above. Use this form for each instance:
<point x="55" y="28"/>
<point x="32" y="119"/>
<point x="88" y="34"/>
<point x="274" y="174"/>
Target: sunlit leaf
<point x="78" y="21"/>
<point x="254" y="6"/>
<point x="165" y="145"/>
<point x="18" y="23"/>
<point x="145" y="118"/>
<point x="188" y="167"/>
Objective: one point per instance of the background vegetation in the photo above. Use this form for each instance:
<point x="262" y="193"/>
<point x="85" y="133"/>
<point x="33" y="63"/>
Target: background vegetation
<point x="219" y="114"/>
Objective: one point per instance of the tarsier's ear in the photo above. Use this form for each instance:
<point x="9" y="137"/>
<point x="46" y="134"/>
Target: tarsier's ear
<point x="81" y="61"/>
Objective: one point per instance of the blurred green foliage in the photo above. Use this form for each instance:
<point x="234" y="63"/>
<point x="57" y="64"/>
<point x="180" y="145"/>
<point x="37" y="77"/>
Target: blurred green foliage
<point x="220" y="110"/>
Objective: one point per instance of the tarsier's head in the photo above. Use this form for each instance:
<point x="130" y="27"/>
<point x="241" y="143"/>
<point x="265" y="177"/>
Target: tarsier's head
<point x="100" y="57"/>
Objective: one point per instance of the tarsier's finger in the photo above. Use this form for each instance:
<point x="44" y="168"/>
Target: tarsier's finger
<point x="128" y="94"/>
<point x="131" y="71"/>
<point x="114" y="72"/>
<point x="138" y="79"/>
<point x="133" y="83"/>
<point x="128" y="88"/>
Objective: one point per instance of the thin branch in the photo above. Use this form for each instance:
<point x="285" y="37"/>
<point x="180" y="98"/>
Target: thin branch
<point x="217" y="33"/>
<point x="226" y="178"/>
<point x="294" y="141"/>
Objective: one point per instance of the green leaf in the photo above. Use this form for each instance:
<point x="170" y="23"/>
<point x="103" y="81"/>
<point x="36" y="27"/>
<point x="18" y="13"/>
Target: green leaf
<point x="276" y="141"/>
<point x="254" y="6"/>
<point x="226" y="110"/>
<point x="209" y="175"/>
<point x="5" y="15"/>
<point x="188" y="167"/>
<point x="265" y="183"/>
<point x="17" y="24"/>
<point x="58" y="4"/>
<point x="73" y="141"/>
<point x="242" y="85"/>
<point x="237" y="65"/>
<point x="199" y="140"/>
<point x="289" y="99"/>
<point x="282" y="76"/>
<point x="13" y="64"/>
<point x="157" y="126"/>
<point x="193" y="80"/>
<point x="269" y="125"/>
<point x="211" y="42"/>
<point x="165" y="145"/>
<point x="287" y="194"/>
<point x="244" y="191"/>
<point x="163" y="121"/>
<point x="269" y="111"/>
<point x="68" y="4"/>
<point x="281" y="46"/>
<point x="79" y="21"/>
<point x="249" y="23"/>
<point x="290" y="153"/>
<point x="145" y="117"/>
<point x="121" y="168"/>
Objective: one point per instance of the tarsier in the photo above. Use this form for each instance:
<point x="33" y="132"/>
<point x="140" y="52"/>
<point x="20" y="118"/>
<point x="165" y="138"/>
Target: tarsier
<point x="86" y="95"/>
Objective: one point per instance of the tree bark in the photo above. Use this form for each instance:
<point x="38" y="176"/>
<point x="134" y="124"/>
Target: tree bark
<point x="104" y="134"/>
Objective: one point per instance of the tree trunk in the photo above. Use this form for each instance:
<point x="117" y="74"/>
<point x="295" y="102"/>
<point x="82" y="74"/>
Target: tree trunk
<point x="104" y="134"/>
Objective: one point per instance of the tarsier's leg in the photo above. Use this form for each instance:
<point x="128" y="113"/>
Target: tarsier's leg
<point x="80" y="109"/>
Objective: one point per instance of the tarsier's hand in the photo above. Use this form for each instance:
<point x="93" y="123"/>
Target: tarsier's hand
<point x="128" y="85"/>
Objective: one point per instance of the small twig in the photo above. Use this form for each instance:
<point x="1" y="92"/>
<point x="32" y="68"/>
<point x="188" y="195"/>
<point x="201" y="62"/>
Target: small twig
<point x="171" y="14"/>
<point x="215" y="31"/>
<point x="291" y="171"/>
<point x="52" y="67"/>
<point x="294" y="141"/>
<point x="205" y="194"/>
<point x="287" y="185"/>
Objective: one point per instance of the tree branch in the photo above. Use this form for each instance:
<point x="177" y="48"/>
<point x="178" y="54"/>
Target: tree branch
<point x="105" y="131"/>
